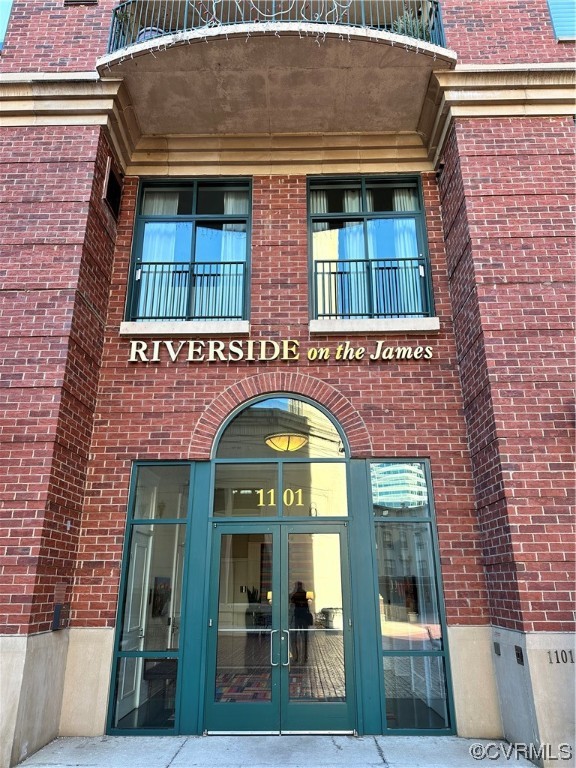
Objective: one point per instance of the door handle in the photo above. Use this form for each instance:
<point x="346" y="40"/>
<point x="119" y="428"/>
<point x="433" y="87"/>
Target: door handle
<point x="272" y="662"/>
<point x="287" y="662"/>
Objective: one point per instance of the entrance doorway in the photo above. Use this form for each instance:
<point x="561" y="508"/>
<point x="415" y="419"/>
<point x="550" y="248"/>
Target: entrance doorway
<point x="279" y="659"/>
<point x="281" y="587"/>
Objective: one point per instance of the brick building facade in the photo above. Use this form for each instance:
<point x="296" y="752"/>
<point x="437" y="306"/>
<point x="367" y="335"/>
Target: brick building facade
<point x="397" y="198"/>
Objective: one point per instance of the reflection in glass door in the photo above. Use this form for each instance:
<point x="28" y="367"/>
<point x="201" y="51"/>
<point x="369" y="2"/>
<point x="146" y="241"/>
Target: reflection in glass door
<point x="279" y="630"/>
<point x="413" y="645"/>
<point x="148" y="638"/>
<point x="244" y="650"/>
<point x="316" y="647"/>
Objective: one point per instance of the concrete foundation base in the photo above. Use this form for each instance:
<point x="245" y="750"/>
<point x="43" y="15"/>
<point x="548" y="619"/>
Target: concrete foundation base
<point x="474" y="682"/>
<point x="32" y="675"/>
<point x="535" y="674"/>
<point x="87" y="682"/>
<point x="506" y="684"/>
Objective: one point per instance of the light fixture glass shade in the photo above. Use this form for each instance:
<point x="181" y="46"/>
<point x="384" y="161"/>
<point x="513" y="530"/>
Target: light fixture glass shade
<point x="309" y="595"/>
<point x="286" y="441"/>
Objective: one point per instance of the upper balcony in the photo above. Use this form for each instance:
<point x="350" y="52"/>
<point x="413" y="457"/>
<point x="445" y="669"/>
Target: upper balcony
<point x="216" y="67"/>
<point x="135" y="21"/>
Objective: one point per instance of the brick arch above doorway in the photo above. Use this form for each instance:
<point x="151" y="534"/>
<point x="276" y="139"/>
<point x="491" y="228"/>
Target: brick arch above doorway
<point x="280" y="382"/>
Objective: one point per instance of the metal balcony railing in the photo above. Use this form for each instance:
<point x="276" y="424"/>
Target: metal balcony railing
<point x="372" y="288"/>
<point x="135" y="21"/>
<point x="199" y="291"/>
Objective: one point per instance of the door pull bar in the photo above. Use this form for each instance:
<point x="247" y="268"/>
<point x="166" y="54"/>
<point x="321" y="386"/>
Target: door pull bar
<point x="287" y="662"/>
<point x="272" y="662"/>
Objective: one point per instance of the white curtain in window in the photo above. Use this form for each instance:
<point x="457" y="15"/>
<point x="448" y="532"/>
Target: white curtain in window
<point x="406" y="287"/>
<point x="219" y="290"/>
<point x="353" y="235"/>
<point x="354" y="299"/>
<point x="235" y="203"/>
<point x="324" y="249"/>
<point x="160" y="237"/>
<point x="318" y="201"/>
<point x="404" y="200"/>
<point x="162" y="290"/>
<point x="160" y="204"/>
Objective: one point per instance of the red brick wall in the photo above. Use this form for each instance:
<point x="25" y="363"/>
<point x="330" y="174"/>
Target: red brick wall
<point x="57" y="244"/>
<point x="46" y="36"/>
<point x="507" y="194"/>
<point x="502" y="32"/>
<point x="173" y="410"/>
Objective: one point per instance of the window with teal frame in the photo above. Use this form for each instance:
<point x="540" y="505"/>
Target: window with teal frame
<point x="411" y="614"/>
<point x="369" y="258"/>
<point x="5" y="8"/>
<point x="148" y="637"/>
<point x="563" y="14"/>
<point x="190" y="255"/>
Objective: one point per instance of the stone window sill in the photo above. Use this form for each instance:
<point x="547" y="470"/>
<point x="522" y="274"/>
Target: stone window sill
<point x="185" y="328"/>
<point x="391" y="325"/>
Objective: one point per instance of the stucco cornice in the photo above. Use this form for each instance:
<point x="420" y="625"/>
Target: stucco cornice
<point x="467" y="92"/>
<point x="78" y="98"/>
<point x="495" y="91"/>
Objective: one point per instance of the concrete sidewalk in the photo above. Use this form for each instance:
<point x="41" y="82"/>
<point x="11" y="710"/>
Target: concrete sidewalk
<point x="273" y="752"/>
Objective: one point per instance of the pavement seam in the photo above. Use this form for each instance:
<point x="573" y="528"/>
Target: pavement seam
<point x="175" y="755"/>
<point x="380" y="751"/>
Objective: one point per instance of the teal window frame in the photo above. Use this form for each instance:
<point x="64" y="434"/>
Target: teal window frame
<point x="375" y="298"/>
<point x="132" y="522"/>
<point x="5" y="11"/>
<point x="443" y="652"/>
<point x="186" y="271"/>
<point x="563" y="16"/>
<point x="368" y="659"/>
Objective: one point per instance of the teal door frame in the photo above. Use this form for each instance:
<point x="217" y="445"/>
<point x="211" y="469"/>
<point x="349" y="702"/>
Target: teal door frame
<point x="281" y="713"/>
<point x="365" y="684"/>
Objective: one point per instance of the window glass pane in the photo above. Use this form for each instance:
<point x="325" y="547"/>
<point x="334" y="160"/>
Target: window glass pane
<point x="314" y="490"/>
<point x="336" y="199"/>
<point x="244" y="618"/>
<point x="221" y="242"/>
<point x="167" y="242"/>
<point x="563" y="18"/>
<point x="408" y="594"/>
<point x="5" y="8"/>
<point x="316" y="618"/>
<point x="246" y="490"/>
<point x="280" y="427"/>
<point x="145" y="693"/>
<point x="392" y="238"/>
<point x="152" y="608"/>
<point x="384" y="198"/>
<point x="167" y="202"/>
<point x="216" y="200"/>
<point x="161" y="492"/>
<point x="399" y="489"/>
<point x="415" y="689"/>
<point x="338" y="239"/>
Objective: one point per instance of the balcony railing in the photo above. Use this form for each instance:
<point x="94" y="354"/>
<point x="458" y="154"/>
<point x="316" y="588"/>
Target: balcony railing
<point x="135" y="21"/>
<point x="372" y="288"/>
<point x="199" y="291"/>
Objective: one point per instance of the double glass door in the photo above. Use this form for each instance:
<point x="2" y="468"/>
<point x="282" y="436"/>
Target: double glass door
<point x="279" y="629"/>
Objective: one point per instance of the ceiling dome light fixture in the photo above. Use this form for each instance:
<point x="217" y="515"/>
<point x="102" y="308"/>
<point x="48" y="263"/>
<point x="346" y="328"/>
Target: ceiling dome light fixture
<point x="286" y="441"/>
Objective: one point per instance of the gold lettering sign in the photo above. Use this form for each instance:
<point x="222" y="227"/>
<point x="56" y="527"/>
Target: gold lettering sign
<point x="265" y="350"/>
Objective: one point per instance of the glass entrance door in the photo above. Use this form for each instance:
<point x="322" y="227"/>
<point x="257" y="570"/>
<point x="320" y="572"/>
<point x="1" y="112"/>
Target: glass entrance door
<point x="280" y="631"/>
